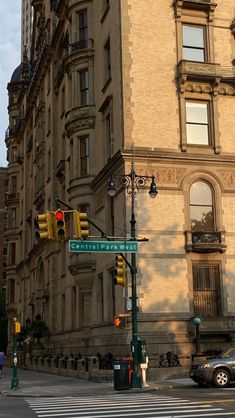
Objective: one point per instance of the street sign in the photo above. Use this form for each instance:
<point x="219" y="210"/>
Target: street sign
<point x="78" y="246"/>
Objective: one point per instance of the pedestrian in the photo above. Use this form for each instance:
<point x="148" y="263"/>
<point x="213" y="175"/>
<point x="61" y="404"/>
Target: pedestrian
<point x="2" y="359"/>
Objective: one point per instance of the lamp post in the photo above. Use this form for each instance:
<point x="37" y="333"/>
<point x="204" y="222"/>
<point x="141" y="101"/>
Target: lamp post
<point x="14" y="380"/>
<point x="197" y="322"/>
<point x="133" y="182"/>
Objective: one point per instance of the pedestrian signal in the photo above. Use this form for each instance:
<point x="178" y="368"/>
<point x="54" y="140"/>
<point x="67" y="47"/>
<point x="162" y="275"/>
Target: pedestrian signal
<point x="120" y="321"/>
<point x="59" y="225"/>
<point x="43" y="226"/>
<point x="81" y="224"/>
<point x="120" y="271"/>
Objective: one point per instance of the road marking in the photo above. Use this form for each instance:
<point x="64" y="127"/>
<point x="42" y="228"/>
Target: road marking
<point x="128" y="405"/>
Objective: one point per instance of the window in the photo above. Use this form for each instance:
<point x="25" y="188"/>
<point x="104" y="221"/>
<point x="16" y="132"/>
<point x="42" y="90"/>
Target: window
<point x="82" y="29"/>
<point x="48" y="121"/>
<point x="194" y="43"/>
<point x="84" y="87"/>
<point x="12" y="254"/>
<point x="13" y="185"/>
<point x="84" y="156"/>
<point x="12" y="218"/>
<point x="109" y="134"/>
<point x="201" y="207"/>
<point x="107" y="52"/>
<point x="206" y="290"/>
<point x="197" y="126"/>
<point x="11" y="291"/>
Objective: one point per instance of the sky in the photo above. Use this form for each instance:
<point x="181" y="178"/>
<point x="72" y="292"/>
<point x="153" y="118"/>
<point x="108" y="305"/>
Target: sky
<point x="10" y="32"/>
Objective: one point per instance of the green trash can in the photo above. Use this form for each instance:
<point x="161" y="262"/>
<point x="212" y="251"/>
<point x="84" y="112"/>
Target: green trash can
<point x="122" y="370"/>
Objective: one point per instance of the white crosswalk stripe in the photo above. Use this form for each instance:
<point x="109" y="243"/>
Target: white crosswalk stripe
<point x="127" y="405"/>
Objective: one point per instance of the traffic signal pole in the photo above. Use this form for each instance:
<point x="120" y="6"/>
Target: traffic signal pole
<point x="14" y="380"/>
<point x="136" y="378"/>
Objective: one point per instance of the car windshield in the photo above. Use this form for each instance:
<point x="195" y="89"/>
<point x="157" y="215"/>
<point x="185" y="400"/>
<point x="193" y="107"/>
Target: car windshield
<point x="230" y="352"/>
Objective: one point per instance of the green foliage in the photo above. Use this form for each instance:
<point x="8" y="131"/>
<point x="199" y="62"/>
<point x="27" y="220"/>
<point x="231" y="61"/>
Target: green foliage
<point x="38" y="328"/>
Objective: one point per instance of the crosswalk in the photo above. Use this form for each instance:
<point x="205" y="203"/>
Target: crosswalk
<point x="124" y="405"/>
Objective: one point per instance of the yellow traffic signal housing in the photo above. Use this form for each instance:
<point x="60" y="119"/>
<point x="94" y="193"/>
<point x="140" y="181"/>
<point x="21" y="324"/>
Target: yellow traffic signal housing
<point x="43" y="225"/>
<point x="81" y="225"/>
<point x="59" y="225"/>
<point x="17" y="327"/>
<point x="120" y="271"/>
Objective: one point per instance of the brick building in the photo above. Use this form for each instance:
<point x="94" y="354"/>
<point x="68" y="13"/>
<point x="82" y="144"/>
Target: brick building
<point x="103" y="78"/>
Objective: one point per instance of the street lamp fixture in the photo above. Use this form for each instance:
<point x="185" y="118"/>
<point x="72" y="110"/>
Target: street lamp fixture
<point x="133" y="183"/>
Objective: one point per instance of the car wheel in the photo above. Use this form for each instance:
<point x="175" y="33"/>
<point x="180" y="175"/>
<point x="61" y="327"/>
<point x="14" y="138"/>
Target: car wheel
<point x="221" y="378"/>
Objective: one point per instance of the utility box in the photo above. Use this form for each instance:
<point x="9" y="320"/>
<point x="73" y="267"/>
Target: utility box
<point x="122" y="374"/>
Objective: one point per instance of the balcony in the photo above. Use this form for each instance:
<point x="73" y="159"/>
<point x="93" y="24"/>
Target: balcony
<point x="197" y="70"/>
<point x="205" y="242"/>
<point x="78" y="46"/>
<point x="12" y="197"/>
<point x="204" y="71"/>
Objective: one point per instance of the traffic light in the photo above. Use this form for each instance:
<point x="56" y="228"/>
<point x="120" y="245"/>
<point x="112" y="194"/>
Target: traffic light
<point x="43" y="226"/>
<point x="17" y="327"/>
<point x="59" y="225"/>
<point x="81" y="225"/>
<point x="120" y="271"/>
<point x="120" y="321"/>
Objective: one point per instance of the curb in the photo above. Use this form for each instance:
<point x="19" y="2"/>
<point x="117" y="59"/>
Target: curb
<point x="16" y="394"/>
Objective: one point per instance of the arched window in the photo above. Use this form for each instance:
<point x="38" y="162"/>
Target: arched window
<point x="201" y="207"/>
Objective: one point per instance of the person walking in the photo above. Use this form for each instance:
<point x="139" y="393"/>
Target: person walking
<point x="2" y="359"/>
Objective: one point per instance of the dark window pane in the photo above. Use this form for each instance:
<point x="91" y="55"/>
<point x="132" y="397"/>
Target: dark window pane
<point x="202" y="218"/>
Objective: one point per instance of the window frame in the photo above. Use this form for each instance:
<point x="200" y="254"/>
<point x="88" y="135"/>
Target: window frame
<point x="214" y="142"/>
<point x="84" y="87"/>
<point x="201" y="205"/>
<point x="215" y="279"/>
<point x="82" y="28"/>
<point x="107" y="62"/>
<point x="204" y="48"/>
<point x="195" y="123"/>
<point x="84" y="157"/>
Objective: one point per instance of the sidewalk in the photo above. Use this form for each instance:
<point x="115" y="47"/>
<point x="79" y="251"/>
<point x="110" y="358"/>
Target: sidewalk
<point x="35" y="384"/>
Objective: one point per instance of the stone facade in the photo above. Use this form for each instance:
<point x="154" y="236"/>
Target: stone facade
<point x="104" y="79"/>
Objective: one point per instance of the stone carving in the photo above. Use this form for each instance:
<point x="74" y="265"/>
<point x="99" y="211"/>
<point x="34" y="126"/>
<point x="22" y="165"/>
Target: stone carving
<point x="228" y="177"/>
<point x="79" y="124"/>
<point x="165" y="175"/>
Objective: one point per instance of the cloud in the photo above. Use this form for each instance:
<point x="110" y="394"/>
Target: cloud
<point x="10" y="33"/>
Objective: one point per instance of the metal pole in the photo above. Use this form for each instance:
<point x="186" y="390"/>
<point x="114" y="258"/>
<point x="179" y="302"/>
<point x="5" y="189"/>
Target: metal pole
<point x="198" y="348"/>
<point x="136" y="378"/>
<point x="14" y="380"/>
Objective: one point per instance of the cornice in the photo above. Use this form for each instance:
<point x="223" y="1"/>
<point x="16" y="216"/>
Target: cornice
<point x="145" y="156"/>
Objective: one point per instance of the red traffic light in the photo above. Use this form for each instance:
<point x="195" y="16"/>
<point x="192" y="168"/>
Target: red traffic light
<point x="59" y="215"/>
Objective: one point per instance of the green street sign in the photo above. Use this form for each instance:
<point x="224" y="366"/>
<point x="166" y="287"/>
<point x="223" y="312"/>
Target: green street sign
<point x="76" y="246"/>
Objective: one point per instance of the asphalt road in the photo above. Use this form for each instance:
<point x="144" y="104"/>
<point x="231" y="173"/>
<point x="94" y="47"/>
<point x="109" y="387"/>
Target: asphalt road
<point x="51" y="396"/>
<point x="180" y="402"/>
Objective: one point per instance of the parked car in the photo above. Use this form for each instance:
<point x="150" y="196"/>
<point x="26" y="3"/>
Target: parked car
<point x="218" y="371"/>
